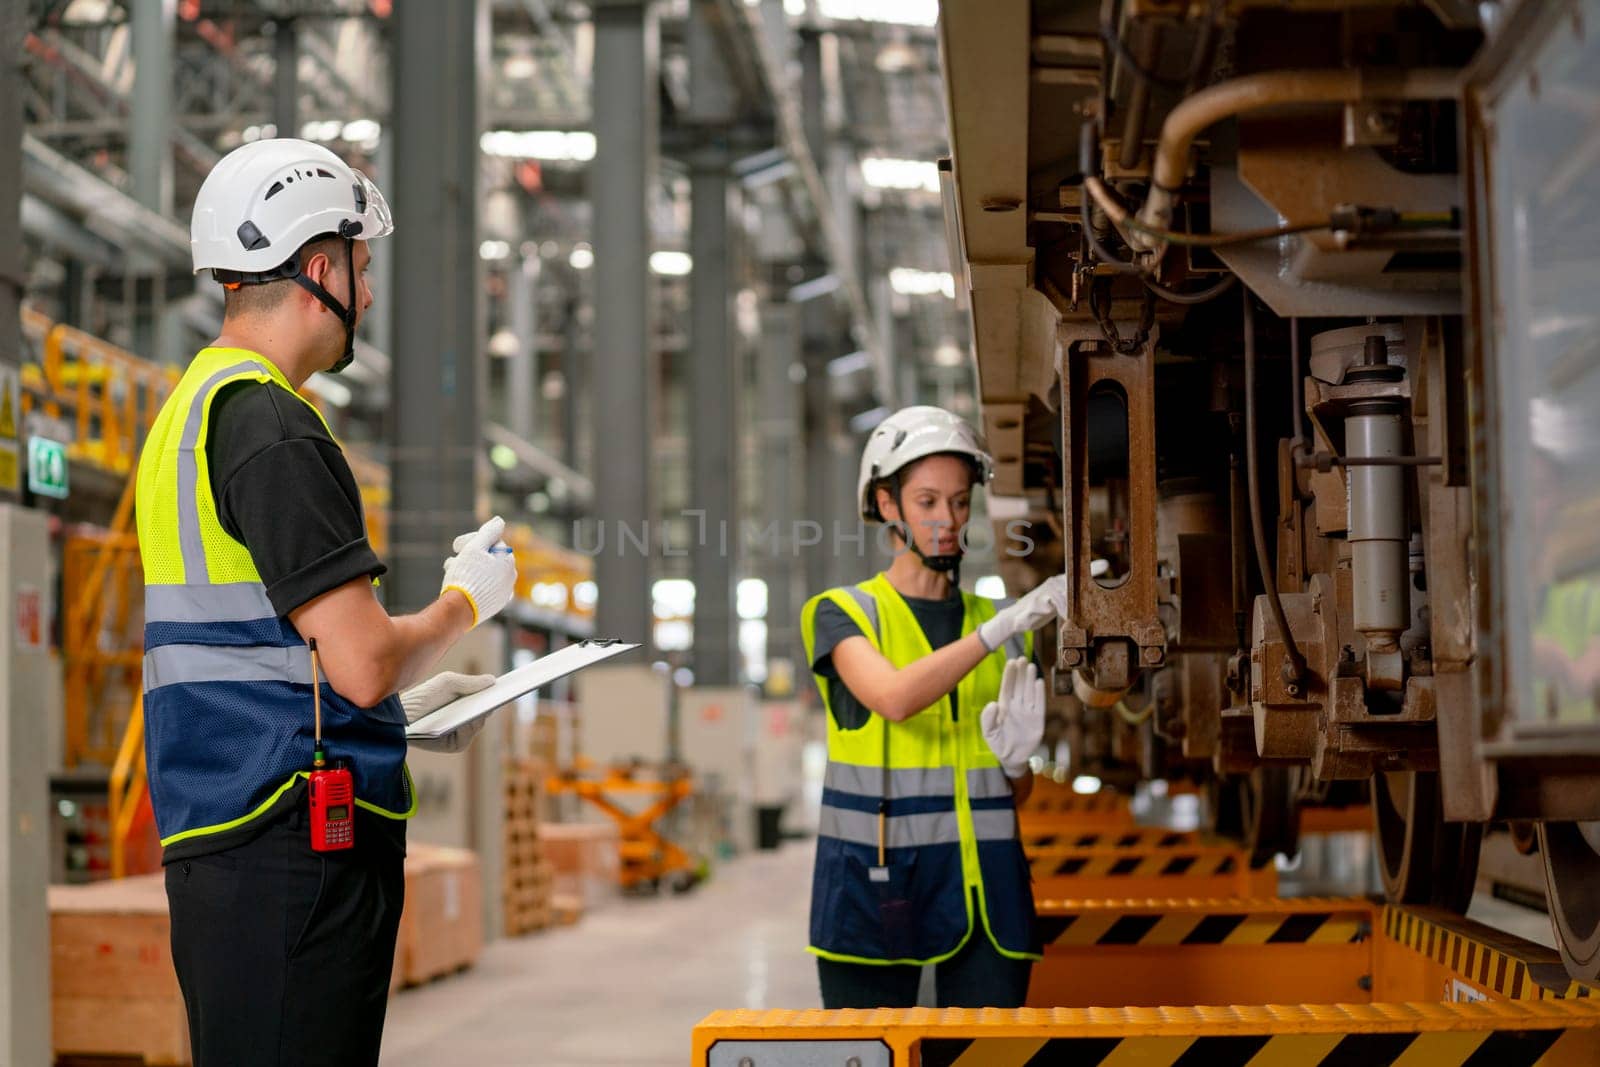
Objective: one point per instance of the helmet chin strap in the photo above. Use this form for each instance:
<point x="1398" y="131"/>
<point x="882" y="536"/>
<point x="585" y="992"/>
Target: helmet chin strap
<point x="346" y="312"/>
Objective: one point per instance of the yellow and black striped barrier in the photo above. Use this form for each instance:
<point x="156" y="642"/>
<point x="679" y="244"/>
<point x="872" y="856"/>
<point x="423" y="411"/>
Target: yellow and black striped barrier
<point x="1561" y="1033"/>
<point x="1152" y="952"/>
<point x="1109" y="872"/>
<point x="1464" y="960"/>
<point x="1134" y="837"/>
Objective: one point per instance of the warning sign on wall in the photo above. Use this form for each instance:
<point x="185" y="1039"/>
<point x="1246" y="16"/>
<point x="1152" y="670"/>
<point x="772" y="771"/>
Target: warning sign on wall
<point x="30" y="619"/>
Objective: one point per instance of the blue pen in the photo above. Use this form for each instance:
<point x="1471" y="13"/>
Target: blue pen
<point x="500" y="550"/>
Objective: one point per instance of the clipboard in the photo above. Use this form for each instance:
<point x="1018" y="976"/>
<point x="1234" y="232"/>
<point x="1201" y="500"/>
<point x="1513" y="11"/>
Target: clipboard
<point x="513" y="684"/>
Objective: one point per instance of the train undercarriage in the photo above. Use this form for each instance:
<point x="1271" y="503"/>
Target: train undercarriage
<point x="1288" y="352"/>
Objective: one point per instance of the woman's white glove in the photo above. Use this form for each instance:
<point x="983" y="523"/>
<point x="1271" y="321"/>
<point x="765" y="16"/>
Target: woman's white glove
<point x="1014" y="724"/>
<point x="1045" y="604"/>
<point x="424" y="698"/>
<point x="483" y="570"/>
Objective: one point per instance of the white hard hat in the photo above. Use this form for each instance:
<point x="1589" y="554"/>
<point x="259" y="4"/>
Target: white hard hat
<point x="911" y="434"/>
<point x="264" y="200"/>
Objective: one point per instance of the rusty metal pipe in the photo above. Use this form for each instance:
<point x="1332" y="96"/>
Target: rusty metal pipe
<point x="1256" y="92"/>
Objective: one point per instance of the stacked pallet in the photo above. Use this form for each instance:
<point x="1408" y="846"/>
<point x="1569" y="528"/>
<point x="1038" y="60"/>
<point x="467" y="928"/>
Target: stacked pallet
<point x="527" y="870"/>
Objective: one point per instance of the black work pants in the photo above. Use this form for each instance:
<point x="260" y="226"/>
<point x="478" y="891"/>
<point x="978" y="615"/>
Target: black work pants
<point x="976" y="977"/>
<point x="284" y="954"/>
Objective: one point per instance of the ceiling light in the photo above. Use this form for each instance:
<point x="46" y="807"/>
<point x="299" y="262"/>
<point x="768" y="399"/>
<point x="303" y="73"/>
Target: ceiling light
<point x="582" y="257"/>
<point x="557" y="146"/>
<point x="867" y="421"/>
<point x="520" y="66"/>
<point x="362" y="131"/>
<point x="503" y="457"/>
<point x="503" y="344"/>
<point x="897" y="57"/>
<point x="850" y="364"/>
<point x="494" y="250"/>
<point x="948" y="354"/>
<point x="321" y="130"/>
<point x="900" y="12"/>
<point x="911" y="282"/>
<point x="673" y="264"/>
<point x="883" y="173"/>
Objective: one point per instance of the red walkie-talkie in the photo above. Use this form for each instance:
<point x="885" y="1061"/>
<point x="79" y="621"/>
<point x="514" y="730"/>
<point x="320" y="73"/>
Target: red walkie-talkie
<point x="333" y="791"/>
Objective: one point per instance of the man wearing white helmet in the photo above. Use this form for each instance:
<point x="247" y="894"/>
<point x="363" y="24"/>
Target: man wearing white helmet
<point x="934" y="708"/>
<point x="258" y="579"/>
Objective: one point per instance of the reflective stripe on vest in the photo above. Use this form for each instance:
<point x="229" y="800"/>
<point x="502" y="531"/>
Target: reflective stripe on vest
<point x="227" y="681"/>
<point x="929" y="783"/>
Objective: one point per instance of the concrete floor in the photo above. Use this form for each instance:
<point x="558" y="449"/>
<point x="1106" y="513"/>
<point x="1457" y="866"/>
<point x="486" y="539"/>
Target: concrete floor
<point x="627" y="984"/>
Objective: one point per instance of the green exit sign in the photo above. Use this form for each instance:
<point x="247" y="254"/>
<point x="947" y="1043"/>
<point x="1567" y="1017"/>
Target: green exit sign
<point x="47" y="467"/>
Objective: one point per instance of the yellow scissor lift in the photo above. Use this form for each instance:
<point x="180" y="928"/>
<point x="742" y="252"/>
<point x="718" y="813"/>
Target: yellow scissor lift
<point x="1156" y="956"/>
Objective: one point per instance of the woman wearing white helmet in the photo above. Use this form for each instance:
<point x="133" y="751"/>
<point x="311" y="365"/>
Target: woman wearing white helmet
<point x="255" y="552"/>
<point x="934" y="707"/>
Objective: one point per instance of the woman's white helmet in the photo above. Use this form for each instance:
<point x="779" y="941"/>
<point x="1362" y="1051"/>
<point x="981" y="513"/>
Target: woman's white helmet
<point x="266" y="199"/>
<point x="911" y="434"/>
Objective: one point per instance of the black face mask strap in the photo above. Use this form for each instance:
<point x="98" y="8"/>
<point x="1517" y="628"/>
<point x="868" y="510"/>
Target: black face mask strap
<point x="346" y="312"/>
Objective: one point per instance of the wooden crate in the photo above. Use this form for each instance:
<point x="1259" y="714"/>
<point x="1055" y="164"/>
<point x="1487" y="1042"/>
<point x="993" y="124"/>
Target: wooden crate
<point x="113" y="991"/>
<point x="441" y="929"/>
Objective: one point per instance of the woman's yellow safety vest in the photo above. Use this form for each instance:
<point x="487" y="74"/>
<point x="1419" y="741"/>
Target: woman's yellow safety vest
<point x="227" y="681"/>
<point x="919" y="829"/>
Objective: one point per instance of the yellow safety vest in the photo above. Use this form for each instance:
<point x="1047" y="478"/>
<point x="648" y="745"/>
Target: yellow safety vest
<point x="227" y="681"/>
<point x="935" y="792"/>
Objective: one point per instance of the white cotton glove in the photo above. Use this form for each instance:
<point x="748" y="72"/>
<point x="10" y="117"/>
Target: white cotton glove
<point x="485" y="577"/>
<point x="424" y="698"/>
<point x="1014" y="724"/>
<point x="1045" y="604"/>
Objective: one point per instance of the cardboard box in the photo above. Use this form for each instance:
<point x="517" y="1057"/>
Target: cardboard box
<point x="586" y="860"/>
<point x="113" y="991"/>
<point x="441" y="929"/>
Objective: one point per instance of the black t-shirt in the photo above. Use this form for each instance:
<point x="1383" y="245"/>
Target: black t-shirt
<point x="285" y="491"/>
<point x="941" y="625"/>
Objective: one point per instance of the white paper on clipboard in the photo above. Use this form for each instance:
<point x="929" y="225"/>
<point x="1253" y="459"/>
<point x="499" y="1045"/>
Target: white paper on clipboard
<point x="513" y="684"/>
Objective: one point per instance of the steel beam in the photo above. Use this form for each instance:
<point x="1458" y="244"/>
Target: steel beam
<point x="778" y="430"/>
<point x="24" y="545"/>
<point x="12" y="23"/>
<point x="150" y="139"/>
<point x="522" y="371"/>
<point x="626" y="52"/>
<point x="713" y="378"/>
<point x="436" y="460"/>
<point x="286" y="77"/>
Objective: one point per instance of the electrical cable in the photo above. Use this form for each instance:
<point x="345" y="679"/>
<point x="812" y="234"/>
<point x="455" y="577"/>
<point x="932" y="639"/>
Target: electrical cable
<point x="1297" y="385"/>
<point x="1087" y="150"/>
<point x="1294" y="666"/>
<point x="1199" y="296"/>
<point x="1120" y="216"/>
